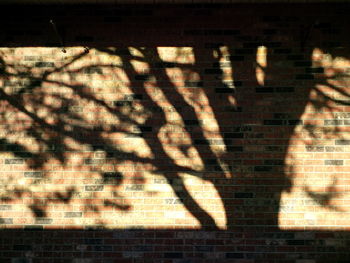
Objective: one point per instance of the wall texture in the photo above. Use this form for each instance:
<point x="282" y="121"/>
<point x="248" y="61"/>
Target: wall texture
<point x="181" y="133"/>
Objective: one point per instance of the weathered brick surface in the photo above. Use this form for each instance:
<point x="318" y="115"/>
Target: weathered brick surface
<point x="182" y="133"/>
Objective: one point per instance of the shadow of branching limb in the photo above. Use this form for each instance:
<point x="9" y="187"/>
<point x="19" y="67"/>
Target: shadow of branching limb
<point x="159" y="120"/>
<point x="56" y="128"/>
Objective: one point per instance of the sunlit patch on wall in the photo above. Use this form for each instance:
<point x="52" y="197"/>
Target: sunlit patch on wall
<point x="317" y="157"/>
<point x="261" y="64"/>
<point x="207" y="197"/>
<point x="81" y="135"/>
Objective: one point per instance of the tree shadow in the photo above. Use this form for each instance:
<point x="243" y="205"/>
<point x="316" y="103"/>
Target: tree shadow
<point x="230" y="114"/>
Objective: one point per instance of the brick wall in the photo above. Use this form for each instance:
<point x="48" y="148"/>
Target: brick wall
<point x="182" y="133"/>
